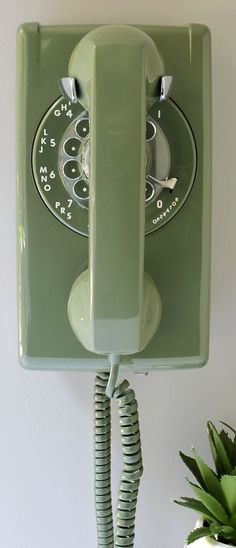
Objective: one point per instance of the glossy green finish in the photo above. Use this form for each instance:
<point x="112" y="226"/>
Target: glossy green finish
<point x="80" y="313"/>
<point x="51" y="256"/>
<point x="115" y="67"/>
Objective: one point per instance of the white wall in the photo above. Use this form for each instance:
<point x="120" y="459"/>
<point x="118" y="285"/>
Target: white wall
<point x="46" y="461"/>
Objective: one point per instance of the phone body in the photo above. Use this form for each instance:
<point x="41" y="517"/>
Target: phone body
<point x="52" y="237"/>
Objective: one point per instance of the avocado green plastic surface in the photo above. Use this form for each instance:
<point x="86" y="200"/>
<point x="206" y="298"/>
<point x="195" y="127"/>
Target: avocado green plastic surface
<point x="80" y="313"/>
<point x="116" y="68"/>
<point x="176" y="256"/>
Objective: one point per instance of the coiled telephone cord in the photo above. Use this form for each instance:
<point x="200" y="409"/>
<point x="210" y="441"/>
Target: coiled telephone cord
<point x="132" y="464"/>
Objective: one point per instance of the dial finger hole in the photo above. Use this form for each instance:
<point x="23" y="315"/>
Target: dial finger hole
<point x="149" y="191"/>
<point x="82" y="128"/>
<point x="71" y="169"/>
<point x="150" y="131"/>
<point x="81" y="190"/>
<point x="72" y="147"/>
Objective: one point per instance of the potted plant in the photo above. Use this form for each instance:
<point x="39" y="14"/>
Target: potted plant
<point x="215" y="491"/>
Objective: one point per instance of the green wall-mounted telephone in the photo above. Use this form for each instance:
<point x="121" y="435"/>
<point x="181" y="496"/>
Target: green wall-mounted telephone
<point x="114" y="207"/>
<point x="121" y="147"/>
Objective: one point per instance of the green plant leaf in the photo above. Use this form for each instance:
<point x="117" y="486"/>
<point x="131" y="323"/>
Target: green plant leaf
<point x="228" y="530"/>
<point x="228" y="426"/>
<point x="218" y="466"/>
<point x="219" y="454"/>
<point x="227" y="533"/>
<point x="196" y="505"/>
<point x="193" y="467"/>
<point x="229" y="446"/>
<point x="233" y="472"/>
<point x="210" y="479"/>
<point x="215" y="528"/>
<point x="232" y="521"/>
<point x="198" y="533"/>
<point x="211" y="504"/>
<point x="228" y="484"/>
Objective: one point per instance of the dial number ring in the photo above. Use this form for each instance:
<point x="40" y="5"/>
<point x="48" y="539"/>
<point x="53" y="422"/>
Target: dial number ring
<point x="61" y="168"/>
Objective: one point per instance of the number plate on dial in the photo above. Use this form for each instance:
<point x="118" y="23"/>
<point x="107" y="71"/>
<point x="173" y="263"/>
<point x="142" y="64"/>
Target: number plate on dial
<point x="61" y="163"/>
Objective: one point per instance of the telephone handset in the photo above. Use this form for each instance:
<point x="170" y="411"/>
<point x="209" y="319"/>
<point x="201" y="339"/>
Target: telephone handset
<point x="122" y="160"/>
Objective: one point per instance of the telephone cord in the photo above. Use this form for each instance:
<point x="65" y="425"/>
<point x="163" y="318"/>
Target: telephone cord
<point x="132" y="467"/>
